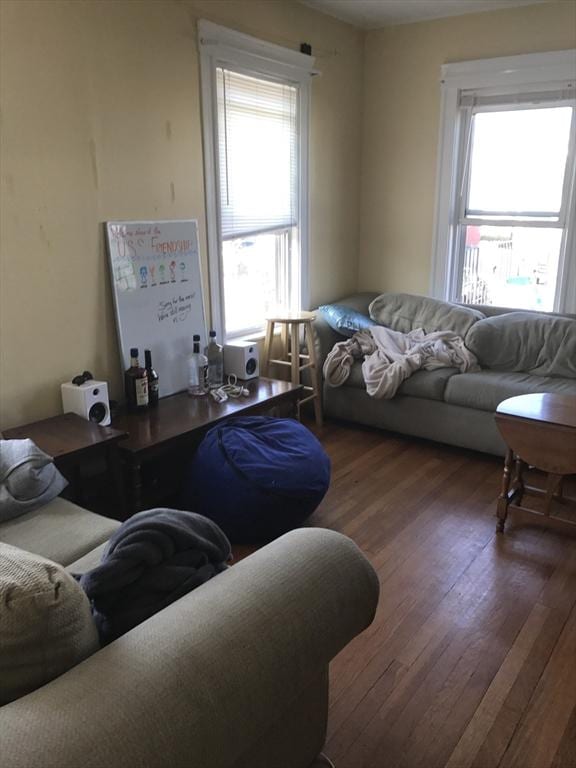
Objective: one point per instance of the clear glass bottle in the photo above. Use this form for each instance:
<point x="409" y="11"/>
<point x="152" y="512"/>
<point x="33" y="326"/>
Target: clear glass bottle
<point x="136" y="384"/>
<point x="215" y="356"/>
<point x="153" y="381"/>
<point x="197" y="371"/>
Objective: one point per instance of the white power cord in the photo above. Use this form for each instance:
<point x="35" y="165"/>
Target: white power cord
<point x="232" y="389"/>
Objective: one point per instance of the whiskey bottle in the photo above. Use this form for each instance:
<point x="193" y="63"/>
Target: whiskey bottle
<point x="153" y="381"/>
<point x="136" y="384"/>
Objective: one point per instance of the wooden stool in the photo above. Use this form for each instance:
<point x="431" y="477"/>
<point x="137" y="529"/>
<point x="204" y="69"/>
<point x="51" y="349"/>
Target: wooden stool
<point x="290" y="324"/>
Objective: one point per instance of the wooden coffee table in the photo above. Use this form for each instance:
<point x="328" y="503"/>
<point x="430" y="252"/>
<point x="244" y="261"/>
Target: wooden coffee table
<point x="161" y="441"/>
<point x="540" y="431"/>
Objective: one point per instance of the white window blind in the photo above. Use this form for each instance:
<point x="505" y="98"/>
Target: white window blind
<point x="258" y="154"/>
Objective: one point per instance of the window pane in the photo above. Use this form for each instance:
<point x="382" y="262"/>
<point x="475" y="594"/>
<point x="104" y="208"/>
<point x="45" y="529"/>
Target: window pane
<point x="518" y="160"/>
<point x="511" y="267"/>
<point x="256" y="279"/>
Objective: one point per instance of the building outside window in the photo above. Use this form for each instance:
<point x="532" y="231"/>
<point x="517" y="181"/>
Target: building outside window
<point x="505" y="231"/>
<point x="255" y="110"/>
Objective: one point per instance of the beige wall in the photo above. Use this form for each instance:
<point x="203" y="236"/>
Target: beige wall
<point x="401" y="119"/>
<point x="101" y="120"/>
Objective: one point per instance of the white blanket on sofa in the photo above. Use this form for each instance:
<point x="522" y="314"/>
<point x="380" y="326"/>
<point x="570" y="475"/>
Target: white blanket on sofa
<point x="391" y="357"/>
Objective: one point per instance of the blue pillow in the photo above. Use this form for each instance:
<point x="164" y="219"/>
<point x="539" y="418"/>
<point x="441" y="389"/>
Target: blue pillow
<point x="345" y="320"/>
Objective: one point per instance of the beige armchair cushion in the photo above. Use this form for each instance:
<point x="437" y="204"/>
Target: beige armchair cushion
<point x="46" y="626"/>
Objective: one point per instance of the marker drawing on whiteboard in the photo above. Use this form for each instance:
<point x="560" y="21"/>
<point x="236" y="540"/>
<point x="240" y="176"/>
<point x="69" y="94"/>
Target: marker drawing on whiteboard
<point x="172" y="271"/>
<point x="183" y="278"/>
<point x="176" y="309"/>
<point x="152" y="273"/>
<point x="162" y="272"/>
<point x="143" y="277"/>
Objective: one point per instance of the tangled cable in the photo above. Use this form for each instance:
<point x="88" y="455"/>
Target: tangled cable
<point x="232" y="389"/>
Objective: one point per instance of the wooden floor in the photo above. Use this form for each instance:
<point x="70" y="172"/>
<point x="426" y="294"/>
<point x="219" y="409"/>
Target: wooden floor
<point x="471" y="660"/>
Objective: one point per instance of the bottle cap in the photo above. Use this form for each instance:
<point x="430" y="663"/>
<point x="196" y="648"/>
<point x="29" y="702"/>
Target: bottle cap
<point x="196" y="337"/>
<point x="212" y="334"/>
<point x="134" y="352"/>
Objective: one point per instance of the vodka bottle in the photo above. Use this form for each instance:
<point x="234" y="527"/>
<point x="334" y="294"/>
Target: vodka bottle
<point x="197" y="371"/>
<point x="215" y="357"/>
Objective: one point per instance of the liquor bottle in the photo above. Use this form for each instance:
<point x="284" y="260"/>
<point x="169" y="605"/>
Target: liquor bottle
<point x="215" y="356"/>
<point x="197" y="370"/>
<point x="136" y="384"/>
<point x="153" y="382"/>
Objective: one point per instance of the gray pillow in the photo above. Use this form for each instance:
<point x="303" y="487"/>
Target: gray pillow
<point x="526" y="341"/>
<point x="404" y="312"/>
<point x="28" y="478"/>
<point x="46" y="626"/>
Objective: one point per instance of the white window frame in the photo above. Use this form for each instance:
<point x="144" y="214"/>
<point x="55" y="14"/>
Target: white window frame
<point x="508" y="75"/>
<point x="223" y="47"/>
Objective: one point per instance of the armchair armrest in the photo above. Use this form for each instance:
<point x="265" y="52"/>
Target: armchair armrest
<point x="201" y="681"/>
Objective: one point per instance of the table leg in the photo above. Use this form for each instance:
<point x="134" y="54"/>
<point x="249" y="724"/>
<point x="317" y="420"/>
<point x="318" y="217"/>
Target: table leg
<point x="518" y="483"/>
<point x="553" y="488"/>
<point x="503" y="499"/>
<point x="136" y="489"/>
<point x="116" y="479"/>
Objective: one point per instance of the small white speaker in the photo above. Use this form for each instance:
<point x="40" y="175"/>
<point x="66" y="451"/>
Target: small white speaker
<point x="89" y="400"/>
<point x="241" y="359"/>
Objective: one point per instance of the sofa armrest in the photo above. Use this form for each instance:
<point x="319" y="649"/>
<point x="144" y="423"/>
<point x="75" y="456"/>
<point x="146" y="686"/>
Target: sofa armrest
<point x="201" y="681"/>
<point x="325" y="336"/>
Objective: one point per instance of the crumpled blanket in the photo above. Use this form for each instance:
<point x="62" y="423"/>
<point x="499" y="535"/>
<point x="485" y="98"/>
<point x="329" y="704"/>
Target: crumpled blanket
<point x="151" y="560"/>
<point x="390" y="357"/>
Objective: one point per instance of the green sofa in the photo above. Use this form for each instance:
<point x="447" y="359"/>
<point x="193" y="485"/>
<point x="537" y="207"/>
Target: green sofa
<point x="519" y="353"/>
<point x="233" y="675"/>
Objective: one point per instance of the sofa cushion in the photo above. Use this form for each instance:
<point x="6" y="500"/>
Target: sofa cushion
<point x="404" y="312"/>
<point x="425" y="384"/>
<point x="87" y="562"/>
<point x="61" y="531"/>
<point x="525" y="341"/>
<point x="46" y="625"/>
<point x="486" y="389"/>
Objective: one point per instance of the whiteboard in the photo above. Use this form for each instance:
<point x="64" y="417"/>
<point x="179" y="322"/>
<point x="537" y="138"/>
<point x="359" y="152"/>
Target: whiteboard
<point x="155" y="272"/>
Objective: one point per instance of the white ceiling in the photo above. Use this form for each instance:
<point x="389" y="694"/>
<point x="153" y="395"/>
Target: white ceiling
<point x="370" y="14"/>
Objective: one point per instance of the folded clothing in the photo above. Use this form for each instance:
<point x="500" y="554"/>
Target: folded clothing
<point x="28" y="478"/>
<point x="345" y="320"/>
<point x="153" y="559"/>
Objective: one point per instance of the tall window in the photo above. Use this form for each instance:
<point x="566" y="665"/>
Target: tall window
<point x="505" y="229"/>
<point x="255" y="131"/>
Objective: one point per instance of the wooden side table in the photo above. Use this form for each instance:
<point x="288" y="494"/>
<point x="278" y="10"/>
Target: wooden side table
<point x="290" y="324"/>
<point x="71" y="440"/>
<point x="540" y="431"/>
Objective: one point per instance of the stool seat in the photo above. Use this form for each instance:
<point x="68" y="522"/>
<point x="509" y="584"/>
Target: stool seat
<point x="290" y="355"/>
<point x="292" y="317"/>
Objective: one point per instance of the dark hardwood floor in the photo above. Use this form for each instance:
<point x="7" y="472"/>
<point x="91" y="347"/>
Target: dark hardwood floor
<point x="471" y="660"/>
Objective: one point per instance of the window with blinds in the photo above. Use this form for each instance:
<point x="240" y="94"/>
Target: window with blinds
<point x="258" y="193"/>
<point x="255" y="98"/>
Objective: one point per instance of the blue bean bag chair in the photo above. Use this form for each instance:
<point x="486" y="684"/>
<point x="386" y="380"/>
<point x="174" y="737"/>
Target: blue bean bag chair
<point x="257" y="477"/>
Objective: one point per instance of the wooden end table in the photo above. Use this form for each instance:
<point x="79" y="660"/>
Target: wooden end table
<point x="539" y="431"/>
<point x="161" y="440"/>
<point x="72" y="440"/>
